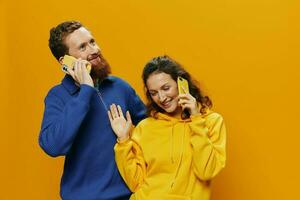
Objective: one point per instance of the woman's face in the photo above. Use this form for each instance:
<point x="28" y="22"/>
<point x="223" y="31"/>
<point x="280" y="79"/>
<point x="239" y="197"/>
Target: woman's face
<point x="164" y="92"/>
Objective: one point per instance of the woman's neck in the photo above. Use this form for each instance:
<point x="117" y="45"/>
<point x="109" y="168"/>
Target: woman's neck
<point x="176" y="113"/>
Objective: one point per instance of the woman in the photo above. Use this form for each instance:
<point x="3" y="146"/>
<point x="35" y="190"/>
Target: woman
<point x="176" y="151"/>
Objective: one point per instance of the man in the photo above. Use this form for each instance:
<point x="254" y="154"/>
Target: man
<point x="75" y="122"/>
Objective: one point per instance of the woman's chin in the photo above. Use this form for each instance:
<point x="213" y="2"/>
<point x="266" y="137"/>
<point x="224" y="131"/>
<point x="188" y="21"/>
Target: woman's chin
<point x="173" y="110"/>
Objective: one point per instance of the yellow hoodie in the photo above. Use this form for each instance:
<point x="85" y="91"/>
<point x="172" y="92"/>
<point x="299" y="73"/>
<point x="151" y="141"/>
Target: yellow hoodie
<point x="173" y="159"/>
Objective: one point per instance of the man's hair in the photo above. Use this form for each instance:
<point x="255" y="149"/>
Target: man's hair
<point x="57" y="36"/>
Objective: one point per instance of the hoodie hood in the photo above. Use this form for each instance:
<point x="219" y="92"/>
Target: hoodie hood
<point x="166" y="117"/>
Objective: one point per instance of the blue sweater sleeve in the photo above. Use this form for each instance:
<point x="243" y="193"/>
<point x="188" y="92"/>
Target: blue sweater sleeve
<point x="137" y="108"/>
<point x="62" y="120"/>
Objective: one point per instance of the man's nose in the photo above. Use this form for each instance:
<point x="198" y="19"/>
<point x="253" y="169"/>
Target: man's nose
<point x="93" y="49"/>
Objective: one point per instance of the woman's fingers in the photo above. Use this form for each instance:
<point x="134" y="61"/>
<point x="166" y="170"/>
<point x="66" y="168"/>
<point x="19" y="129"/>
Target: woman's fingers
<point x="116" y="111"/>
<point x="113" y="110"/>
<point x="120" y="111"/>
<point x="110" y="116"/>
<point x="128" y="117"/>
<point x="186" y="99"/>
<point x="183" y="101"/>
<point x="185" y="96"/>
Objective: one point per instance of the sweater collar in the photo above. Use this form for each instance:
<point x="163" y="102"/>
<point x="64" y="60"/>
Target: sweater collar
<point x="69" y="83"/>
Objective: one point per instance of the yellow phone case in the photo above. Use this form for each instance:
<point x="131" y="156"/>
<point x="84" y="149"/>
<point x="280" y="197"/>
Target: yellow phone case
<point x="183" y="86"/>
<point x="68" y="62"/>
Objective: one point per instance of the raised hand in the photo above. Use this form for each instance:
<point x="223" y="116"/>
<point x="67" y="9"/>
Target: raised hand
<point x="187" y="101"/>
<point x="119" y="124"/>
<point x="80" y="74"/>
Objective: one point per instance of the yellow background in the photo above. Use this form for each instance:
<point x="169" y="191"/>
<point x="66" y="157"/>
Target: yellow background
<point x="245" y="54"/>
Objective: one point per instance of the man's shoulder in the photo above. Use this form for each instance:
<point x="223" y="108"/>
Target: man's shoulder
<point x="116" y="79"/>
<point x="66" y="85"/>
<point x="120" y="82"/>
<point x="56" y="89"/>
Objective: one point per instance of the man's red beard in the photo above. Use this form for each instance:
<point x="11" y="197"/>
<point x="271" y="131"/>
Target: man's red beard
<point x="102" y="70"/>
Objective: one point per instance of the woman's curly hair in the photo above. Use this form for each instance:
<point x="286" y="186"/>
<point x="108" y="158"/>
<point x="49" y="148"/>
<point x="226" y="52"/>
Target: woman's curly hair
<point x="169" y="66"/>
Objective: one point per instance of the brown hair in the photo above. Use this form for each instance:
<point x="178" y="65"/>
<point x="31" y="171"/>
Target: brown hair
<point x="169" y="66"/>
<point x="57" y="36"/>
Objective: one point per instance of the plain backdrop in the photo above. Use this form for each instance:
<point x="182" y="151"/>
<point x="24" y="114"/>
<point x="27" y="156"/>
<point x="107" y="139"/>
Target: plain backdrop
<point x="244" y="53"/>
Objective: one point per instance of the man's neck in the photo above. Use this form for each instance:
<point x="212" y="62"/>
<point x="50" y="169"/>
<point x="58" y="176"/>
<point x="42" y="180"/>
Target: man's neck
<point x="96" y="82"/>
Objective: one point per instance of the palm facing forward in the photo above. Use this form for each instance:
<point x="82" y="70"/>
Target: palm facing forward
<point x="119" y="124"/>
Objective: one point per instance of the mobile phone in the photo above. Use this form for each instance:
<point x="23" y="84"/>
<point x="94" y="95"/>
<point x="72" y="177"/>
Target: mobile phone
<point x="183" y="86"/>
<point x="68" y="62"/>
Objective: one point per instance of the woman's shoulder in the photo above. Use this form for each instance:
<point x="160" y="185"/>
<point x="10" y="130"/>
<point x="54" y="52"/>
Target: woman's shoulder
<point x="212" y="118"/>
<point x="148" y="121"/>
<point x="209" y="116"/>
<point x="142" y="128"/>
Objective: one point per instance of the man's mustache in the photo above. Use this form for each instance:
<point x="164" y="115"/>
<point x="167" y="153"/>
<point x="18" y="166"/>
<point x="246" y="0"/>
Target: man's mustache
<point x="93" y="56"/>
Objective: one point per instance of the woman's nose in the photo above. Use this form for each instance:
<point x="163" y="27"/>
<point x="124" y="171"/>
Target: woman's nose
<point x="161" y="96"/>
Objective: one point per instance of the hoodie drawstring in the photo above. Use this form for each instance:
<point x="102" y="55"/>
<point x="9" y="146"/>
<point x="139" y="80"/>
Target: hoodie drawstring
<point x="181" y="154"/>
<point x="172" y="145"/>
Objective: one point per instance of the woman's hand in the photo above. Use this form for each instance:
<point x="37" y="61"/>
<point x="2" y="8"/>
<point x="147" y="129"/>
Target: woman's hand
<point x="187" y="101"/>
<point x="119" y="124"/>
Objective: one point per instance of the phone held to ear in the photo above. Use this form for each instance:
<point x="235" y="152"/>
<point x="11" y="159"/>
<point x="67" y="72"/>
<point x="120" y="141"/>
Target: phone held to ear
<point x="183" y="86"/>
<point x="68" y="62"/>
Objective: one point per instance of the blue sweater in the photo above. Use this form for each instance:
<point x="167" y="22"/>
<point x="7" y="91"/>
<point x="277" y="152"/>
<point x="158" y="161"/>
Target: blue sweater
<point x="76" y="125"/>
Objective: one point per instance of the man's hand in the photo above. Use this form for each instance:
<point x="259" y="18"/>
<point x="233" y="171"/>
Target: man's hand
<point x="80" y="74"/>
<point x="119" y="124"/>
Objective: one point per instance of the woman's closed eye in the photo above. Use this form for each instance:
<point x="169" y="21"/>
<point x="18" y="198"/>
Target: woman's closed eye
<point x="152" y="93"/>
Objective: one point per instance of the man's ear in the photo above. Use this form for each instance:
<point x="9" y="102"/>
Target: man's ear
<point x="61" y="60"/>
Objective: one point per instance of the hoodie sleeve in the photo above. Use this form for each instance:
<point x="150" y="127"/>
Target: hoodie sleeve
<point x="208" y="140"/>
<point x="62" y="121"/>
<point x="130" y="160"/>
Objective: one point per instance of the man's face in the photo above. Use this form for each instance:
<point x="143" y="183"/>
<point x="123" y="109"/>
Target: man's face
<point x="82" y="45"/>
